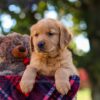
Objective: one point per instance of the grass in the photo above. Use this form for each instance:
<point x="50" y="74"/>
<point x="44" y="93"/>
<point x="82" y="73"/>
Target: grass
<point x="84" y="94"/>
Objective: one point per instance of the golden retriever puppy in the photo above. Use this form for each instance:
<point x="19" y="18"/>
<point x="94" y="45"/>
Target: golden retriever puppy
<point x="49" y="55"/>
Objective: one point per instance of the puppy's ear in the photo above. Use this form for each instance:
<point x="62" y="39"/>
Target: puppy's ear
<point x="32" y="28"/>
<point x="31" y="39"/>
<point x="65" y="36"/>
<point x="31" y="44"/>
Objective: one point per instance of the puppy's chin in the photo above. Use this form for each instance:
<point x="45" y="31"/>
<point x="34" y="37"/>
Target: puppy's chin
<point x="53" y="53"/>
<point x="40" y="53"/>
<point x="49" y="53"/>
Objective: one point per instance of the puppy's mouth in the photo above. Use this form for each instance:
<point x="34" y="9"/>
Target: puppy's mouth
<point x="52" y="52"/>
<point x="46" y="51"/>
<point x="42" y="50"/>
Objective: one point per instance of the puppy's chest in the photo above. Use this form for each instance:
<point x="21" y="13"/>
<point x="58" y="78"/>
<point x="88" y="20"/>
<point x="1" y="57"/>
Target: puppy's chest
<point x="49" y="66"/>
<point x="55" y="62"/>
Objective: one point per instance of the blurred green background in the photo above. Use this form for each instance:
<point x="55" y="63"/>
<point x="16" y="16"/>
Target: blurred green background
<point x="80" y="16"/>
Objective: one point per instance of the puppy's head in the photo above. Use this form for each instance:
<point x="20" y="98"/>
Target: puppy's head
<point x="49" y="35"/>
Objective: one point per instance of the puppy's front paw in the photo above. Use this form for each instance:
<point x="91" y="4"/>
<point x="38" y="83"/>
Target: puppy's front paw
<point x="63" y="86"/>
<point x="26" y="86"/>
<point x="28" y="79"/>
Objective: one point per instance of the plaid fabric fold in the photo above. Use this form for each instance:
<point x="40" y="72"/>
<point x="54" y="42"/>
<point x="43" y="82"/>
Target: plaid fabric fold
<point x="44" y="89"/>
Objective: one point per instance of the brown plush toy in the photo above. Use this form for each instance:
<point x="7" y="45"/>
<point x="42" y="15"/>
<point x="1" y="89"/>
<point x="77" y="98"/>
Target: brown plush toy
<point x="14" y="48"/>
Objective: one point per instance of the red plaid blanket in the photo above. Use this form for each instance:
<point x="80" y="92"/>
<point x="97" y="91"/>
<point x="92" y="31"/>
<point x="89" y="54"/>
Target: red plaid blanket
<point x="44" y="89"/>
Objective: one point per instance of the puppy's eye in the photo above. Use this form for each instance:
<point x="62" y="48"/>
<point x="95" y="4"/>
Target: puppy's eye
<point x="36" y="34"/>
<point x="50" y="34"/>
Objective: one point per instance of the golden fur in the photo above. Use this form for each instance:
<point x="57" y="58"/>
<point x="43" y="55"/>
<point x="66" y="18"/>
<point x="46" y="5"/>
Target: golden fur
<point x="54" y="60"/>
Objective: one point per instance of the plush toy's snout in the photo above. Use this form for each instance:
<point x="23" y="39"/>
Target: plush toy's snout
<point x="21" y="49"/>
<point x="19" y="52"/>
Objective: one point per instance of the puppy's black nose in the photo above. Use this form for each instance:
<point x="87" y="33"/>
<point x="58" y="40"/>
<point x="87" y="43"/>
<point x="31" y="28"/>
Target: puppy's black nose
<point x="22" y="49"/>
<point x="41" y="45"/>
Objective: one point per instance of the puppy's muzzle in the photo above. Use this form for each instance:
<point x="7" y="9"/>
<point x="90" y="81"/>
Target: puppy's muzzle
<point x="41" y="46"/>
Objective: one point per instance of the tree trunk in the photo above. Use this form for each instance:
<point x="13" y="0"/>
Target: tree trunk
<point x="92" y="18"/>
<point x="96" y="92"/>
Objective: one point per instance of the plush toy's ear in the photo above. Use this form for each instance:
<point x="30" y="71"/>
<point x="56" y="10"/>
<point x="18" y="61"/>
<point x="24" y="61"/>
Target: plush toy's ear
<point x="65" y="36"/>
